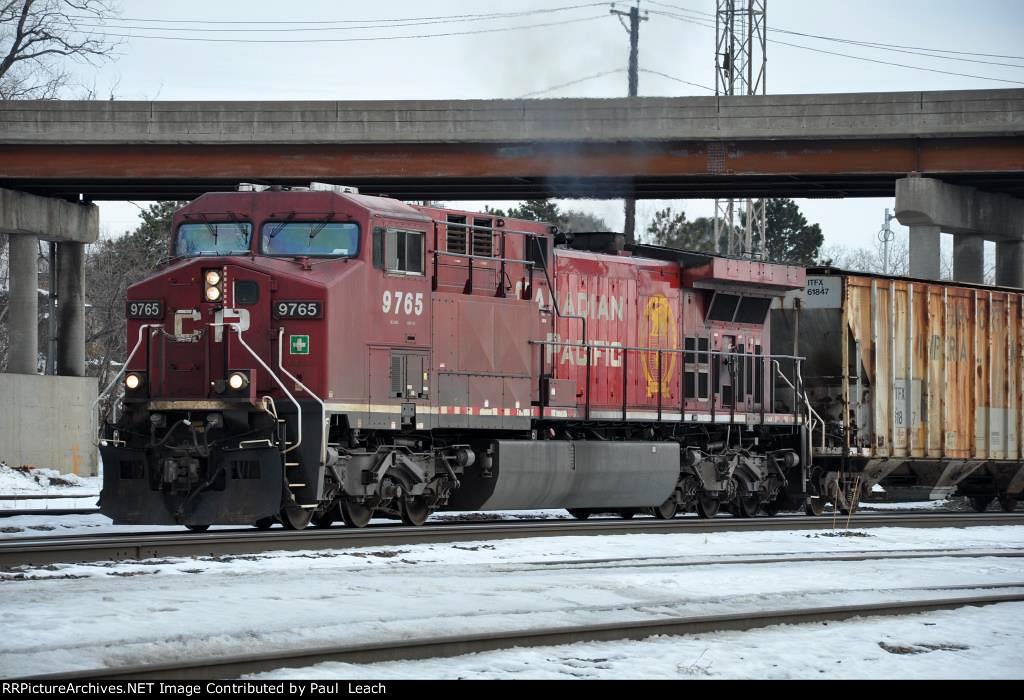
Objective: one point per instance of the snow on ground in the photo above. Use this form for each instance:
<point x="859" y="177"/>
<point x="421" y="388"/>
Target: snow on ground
<point x="35" y="481"/>
<point x="65" y="617"/>
<point x="964" y="643"/>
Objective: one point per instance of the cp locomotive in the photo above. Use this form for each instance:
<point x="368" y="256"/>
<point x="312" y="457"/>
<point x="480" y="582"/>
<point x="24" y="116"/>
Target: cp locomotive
<point x="321" y="355"/>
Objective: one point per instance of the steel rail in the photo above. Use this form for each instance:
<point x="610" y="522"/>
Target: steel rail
<point x="457" y="645"/>
<point x="20" y="551"/>
<point x="44" y="496"/>
<point x="48" y="511"/>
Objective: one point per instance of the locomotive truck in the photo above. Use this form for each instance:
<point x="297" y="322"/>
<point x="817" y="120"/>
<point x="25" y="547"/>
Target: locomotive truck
<point x="314" y="355"/>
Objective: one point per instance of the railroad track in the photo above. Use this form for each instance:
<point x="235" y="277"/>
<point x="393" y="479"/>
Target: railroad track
<point x="457" y="645"/>
<point x="10" y="513"/>
<point x="19" y="551"/>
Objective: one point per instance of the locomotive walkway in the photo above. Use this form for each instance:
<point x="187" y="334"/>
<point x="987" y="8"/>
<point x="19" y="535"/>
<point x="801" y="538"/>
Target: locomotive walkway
<point x="21" y="551"/>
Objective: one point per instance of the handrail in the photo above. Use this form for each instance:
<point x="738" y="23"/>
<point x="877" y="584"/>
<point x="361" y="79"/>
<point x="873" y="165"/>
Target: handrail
<point x="810" y="411"/>
<point x="323" y="408"/>
<point x="237" y="328"/>
<point x="93" y="422"/>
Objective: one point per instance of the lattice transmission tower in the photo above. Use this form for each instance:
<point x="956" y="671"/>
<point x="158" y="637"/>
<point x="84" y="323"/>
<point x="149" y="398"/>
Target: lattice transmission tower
<point x="740" y="59"/>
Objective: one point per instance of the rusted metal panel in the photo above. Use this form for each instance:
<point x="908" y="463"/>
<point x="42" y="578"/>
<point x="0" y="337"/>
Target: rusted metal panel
<point x="943" y="368"/>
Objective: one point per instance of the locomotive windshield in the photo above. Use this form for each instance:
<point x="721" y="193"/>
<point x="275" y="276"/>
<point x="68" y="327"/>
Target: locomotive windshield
<point x="313" y="239"/>
<point x="228" y="238"/>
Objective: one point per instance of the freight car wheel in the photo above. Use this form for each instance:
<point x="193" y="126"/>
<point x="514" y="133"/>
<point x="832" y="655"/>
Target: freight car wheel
<point x="328" y="517"/>
<point x="580" y="513"/>
<point x="981" y="503"/>
<point x="415" y="511"/>
<point x="666" y="511"/>
<point x="746" y="506"/>
<point x="355" y="514"/>
<point x="707" y="506"/>
<point x="815" y="506"/>
<point x="295" y="518"/>
<point x="265" y="523"/>
<point x="1008" y="503"/>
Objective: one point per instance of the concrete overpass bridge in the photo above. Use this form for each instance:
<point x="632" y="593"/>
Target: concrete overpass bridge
<point x="842" y="145"/>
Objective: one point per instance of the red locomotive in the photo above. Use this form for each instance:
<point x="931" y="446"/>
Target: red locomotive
<point x="322" y="355"/>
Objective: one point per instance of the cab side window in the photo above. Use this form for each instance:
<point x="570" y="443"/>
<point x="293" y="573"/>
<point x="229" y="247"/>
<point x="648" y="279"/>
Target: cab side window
<point x="404" y="252"/>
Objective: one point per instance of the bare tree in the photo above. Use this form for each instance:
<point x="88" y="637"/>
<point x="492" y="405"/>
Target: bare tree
<point x="36" y="38"/>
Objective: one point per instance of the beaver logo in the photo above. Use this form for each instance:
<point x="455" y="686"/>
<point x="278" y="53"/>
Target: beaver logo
<point x="661" y="334"/>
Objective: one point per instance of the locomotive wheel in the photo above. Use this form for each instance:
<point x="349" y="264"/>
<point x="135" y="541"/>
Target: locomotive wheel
<point x="198" y="528"/>
<point x="815" y="506"/>
<point x="579" y="513"/>
<point x="707" y="506"/>
<point x="415" y="511"/>
<point x="770" y="509"/>
<point x="265" y="523"/>
<point x="295" y="518"/>
<point x="627" y="514"/>
<point x="666" y="511"/>
<point x="328" y="517"/>
<point x="746" y="506"/>
<point x="1008" y="503"/>
<point x="981" y="503"/>
<point x="355" y="514"/>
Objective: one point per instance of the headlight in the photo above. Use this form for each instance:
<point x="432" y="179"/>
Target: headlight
<point x="132" y="381"/>
<point x="214" y="288"/>
<point x="237" y="381"/>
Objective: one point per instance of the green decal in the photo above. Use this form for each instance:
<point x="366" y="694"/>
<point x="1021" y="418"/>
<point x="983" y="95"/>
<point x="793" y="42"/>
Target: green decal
<point x="299" y="345"/>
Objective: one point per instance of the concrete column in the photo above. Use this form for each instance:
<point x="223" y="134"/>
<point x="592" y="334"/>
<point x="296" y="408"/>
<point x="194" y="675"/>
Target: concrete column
<point x="23" y="316"/>
<point x="924" y="251"/>
<point x="71" y="307"/>
<point x="968" y="258"/>
<point x="1010" y="263"/>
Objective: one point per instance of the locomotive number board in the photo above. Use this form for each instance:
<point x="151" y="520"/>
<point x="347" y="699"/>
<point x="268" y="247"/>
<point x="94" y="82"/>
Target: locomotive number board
<point x="151" y="309"/>
<point x="298" y="309"/>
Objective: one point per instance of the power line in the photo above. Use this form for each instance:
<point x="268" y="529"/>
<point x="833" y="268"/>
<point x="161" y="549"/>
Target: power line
<point x="572" y="82"/>
<point x="352" y="24"/>
<point x="678" y="80"/>
<point x="852" y="56"/>
<point x="463" y="17"/>
<point x="474" y="32"/>
<point x="886" y="46"/>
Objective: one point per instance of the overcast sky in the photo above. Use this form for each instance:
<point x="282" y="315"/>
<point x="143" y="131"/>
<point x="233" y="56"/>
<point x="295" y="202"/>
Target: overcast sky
<point x="476" y="62"/>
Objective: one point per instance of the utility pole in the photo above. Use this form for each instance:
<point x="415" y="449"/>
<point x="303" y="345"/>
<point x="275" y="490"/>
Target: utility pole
<point x="634" y="79"/>
<point x="885" y="235"/>
<point x="740" y="69"/>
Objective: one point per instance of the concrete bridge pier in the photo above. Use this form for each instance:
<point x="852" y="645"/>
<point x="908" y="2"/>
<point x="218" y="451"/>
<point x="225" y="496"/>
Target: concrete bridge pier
<point x="929" y="206"/>
<point x="924" y="251"/>
<point x="71" y="309"/>
<point x="1010" y="263"/>
<point x="969" y="258"/>
<point x="49" y="424"/>
<point x="23" y="313"/>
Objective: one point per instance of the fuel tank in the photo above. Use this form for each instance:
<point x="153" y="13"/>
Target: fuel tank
<point x="522" y="474"/>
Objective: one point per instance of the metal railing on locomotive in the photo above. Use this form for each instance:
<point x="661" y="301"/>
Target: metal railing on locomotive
<point x="768" y="361"/>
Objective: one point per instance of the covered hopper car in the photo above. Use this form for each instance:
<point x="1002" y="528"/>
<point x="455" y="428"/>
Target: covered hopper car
<point x="912" y="383"/>
<point x="320" y="355"/>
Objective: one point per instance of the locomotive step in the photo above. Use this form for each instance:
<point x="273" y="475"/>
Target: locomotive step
<point x="295" y="486"/>
<point x="291" y="464"/>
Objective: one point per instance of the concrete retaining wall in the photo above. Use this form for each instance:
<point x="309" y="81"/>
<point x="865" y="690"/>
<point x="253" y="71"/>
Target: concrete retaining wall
<point x="45" y="422"/>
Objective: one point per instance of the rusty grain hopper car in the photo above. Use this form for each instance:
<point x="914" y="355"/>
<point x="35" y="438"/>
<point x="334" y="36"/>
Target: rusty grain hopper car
<point x="911" y="383"/>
